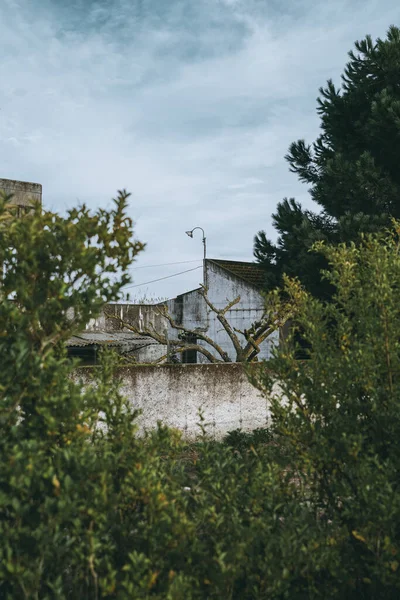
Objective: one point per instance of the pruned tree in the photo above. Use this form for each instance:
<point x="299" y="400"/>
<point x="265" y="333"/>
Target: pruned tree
<point x="246" y="343"/>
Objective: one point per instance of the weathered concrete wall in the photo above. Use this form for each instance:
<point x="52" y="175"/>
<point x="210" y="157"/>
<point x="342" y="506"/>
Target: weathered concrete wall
<point x="173" y="394"/>
<point x="142" y="315"/>
<point x="224" y="288"/>
<point x="24" y="191"/>
<point x="148" y="353"/>
<point x="191" y="311"/>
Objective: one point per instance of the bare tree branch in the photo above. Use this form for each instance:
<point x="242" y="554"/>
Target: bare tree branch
<point x="274" y="317"/>
<point x="224" y="322"/>
<point x="158" y="337"/>
<point x="182" y="348"/>
<point x="178" y="345"/>
<point x="199" y="334"/>
<point x="250" y="344"/>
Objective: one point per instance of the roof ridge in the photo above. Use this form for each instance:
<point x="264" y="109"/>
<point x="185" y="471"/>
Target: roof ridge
<point x="249" y="272"/>
<point x="241" y="262"/>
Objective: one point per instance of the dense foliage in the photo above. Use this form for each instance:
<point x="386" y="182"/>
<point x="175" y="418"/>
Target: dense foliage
<point x="341" y="413"/>
<point x="352" y="167"/>
<point x="91" y="509"/>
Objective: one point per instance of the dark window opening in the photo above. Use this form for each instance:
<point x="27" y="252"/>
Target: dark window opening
<point x="87" y="355"/>
<point x="190" y="356"/>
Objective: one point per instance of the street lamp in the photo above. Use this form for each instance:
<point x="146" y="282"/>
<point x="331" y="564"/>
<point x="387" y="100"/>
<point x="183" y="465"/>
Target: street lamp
<point x="190" y="234"/>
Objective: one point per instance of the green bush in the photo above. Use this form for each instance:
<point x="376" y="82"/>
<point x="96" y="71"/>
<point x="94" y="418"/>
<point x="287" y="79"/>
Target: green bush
<point x="91" y="509"/>
<point x="341" y="410"/>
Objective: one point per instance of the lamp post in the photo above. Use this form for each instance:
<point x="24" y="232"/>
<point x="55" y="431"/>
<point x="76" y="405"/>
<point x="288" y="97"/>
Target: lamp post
<point x="190" y="234"/>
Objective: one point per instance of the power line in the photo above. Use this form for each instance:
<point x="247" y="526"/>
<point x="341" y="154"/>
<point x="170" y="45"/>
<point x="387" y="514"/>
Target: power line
<point x="181" y="262"/>
<point x="160" y="279"/>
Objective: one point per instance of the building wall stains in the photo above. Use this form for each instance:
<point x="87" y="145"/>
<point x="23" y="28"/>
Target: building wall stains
<point x="141" y="315"/>
<point x="190" y="311"/>
<point x="23" y="192"/>
<point x="174" y="394"/>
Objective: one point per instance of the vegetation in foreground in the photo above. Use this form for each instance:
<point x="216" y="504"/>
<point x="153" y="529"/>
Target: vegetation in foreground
<point x="90" y="509"/>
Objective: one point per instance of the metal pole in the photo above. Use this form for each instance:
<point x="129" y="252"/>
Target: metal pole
<point x="204" y="263"/>
<point x="190" y="234"/>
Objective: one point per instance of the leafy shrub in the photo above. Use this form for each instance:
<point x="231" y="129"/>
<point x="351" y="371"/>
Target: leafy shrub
<point x="91" y="509"/>
<point x="240" y="439"/>
<point x="340" y="410"/>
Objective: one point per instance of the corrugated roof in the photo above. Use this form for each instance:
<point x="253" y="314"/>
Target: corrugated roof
<point x="250" y="272"/>
<point x="100" y="338"/>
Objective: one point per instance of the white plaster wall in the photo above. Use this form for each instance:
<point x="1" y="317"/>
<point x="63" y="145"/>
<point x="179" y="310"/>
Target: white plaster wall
<point x="189" y="310"/>
<point x="221" y="290"/>
<point x="141" y="315"/>
<point x="148" y="353"/>
<point x="174" y="394"/>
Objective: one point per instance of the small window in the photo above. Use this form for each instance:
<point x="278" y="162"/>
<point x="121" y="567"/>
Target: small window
<point x="190" y="356"/>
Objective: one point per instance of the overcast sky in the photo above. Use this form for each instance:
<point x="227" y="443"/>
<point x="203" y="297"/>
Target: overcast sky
<point x="188" y="104"/>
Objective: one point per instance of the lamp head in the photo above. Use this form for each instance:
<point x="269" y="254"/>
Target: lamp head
<point x="189" y="233"/>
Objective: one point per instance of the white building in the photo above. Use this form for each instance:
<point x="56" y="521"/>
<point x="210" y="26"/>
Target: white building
<point x="107" y="331"/>
<point x="226" y="280"/>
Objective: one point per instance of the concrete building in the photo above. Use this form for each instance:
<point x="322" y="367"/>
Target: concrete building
<point x="24" y="192"/>
<point x="226" y="279"/>
<point x="107" y="331"/>
<point x="138" y="349"/>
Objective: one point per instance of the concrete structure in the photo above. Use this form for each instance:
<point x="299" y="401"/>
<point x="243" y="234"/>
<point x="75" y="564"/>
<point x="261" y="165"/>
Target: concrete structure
<point x="225" y="280"/>
<point x="86" y="346"/>
<point x="23" y="192"/>
<point x="106" y="331"/>
<point x="173" y="394"/>
<point x="142" y="315"/>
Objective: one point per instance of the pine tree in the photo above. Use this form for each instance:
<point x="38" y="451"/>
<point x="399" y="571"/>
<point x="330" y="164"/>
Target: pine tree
<point x="352" y="168"/>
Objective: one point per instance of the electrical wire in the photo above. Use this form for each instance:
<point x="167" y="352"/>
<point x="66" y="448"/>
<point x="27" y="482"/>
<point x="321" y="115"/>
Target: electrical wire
<point x="181" y="262"/>
<point x="160" y="279"/>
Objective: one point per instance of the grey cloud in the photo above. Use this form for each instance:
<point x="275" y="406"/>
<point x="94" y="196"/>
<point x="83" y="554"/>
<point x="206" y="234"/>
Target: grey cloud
<point x="189" y="105"/>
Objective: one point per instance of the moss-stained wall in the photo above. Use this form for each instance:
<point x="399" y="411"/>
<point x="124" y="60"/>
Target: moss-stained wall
<point x="174" y="394"/>
<point x="141" y="315"/>
<point x="23" y="191"/>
